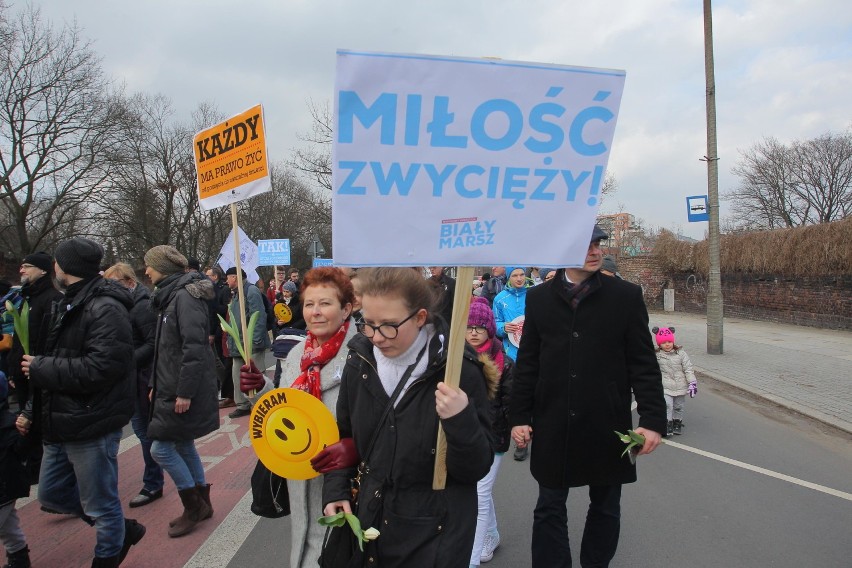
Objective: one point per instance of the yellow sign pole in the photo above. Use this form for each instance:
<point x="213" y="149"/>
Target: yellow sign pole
<point x="452" y="373"/>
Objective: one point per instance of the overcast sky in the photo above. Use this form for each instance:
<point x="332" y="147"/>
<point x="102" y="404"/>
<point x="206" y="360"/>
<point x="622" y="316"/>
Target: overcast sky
<point x="783" y="67"/>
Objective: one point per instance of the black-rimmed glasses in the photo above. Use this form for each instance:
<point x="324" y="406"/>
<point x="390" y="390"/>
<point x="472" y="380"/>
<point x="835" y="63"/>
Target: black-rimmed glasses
<point x="388" y="330"/>
<point x="476" y="328"/>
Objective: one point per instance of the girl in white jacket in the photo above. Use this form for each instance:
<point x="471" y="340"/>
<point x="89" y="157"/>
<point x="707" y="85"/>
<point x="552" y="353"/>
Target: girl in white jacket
<point x="678" y="377"/>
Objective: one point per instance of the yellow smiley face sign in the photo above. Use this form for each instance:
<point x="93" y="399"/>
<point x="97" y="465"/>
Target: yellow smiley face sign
<point x="288" y="427"/>
<point x="282" y="312"/>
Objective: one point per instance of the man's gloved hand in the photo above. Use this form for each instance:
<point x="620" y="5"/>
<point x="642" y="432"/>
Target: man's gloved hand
<point x="251" y="379"/>
<point x="693" y="389"/>
<point x="339" y="455"/>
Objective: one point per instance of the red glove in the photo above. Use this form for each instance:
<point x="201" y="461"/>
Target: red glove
<point x="251" y="379"/>
<point x="340" y="455"/>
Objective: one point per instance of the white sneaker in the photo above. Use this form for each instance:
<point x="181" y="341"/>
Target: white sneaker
<point x="489" y="545"/>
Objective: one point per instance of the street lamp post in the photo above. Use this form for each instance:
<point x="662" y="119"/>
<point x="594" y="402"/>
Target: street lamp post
<point x="715" y="315"/>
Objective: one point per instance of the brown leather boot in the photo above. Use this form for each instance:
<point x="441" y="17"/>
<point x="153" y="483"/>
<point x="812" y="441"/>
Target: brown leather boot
<point x="194" y="510"/>
<point x="204" y="491"/>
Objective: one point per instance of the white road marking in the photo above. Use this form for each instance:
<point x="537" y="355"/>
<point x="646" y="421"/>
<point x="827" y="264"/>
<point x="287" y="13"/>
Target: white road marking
<point x="224" y="542"/>
<point x="764" y="471"/>
<point x="757" y="469"/>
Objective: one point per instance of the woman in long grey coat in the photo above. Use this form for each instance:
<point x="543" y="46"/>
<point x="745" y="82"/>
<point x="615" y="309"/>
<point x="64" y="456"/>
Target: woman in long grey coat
<point x="316" y="366"/>
<point x="184" y="403"/>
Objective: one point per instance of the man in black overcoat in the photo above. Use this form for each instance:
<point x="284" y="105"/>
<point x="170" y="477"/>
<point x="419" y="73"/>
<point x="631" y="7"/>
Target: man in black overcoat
<point x="585" y="350"/>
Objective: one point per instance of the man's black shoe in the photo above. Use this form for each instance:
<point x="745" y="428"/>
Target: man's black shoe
<point x="133" y="533"/>
<point x="145" y="497"/>
<point x="239" y="412"/>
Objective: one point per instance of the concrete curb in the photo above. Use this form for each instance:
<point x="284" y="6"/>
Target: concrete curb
<point x="795" y="407"/>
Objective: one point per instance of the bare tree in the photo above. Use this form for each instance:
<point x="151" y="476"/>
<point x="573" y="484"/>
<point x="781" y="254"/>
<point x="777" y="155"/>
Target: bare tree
<point x="824" y="176"/>
<point x="314" y="160"/>
<point x="149" y="197"/>
<point x="57" y="122"/>
<point x="792" y="185"/>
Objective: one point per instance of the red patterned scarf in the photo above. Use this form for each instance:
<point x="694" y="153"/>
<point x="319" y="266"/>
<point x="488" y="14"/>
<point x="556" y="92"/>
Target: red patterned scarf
<point x="315" y="358"/>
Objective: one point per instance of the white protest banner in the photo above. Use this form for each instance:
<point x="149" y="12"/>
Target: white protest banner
<point x="248" y="255"/>
<point x="442" y="161"/>
<point x="230" y="160"/>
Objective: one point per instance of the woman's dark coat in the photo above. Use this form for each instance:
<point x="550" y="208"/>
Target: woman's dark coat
<point x="87" y="375"/>
<point x="183" y="360"/>
<point x="575" y="373"/>
<point x="419" y="527"/>
<point x="144" y="323"/>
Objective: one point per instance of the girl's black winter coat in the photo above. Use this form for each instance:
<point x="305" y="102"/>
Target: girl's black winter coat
<point x="419" y="527"/>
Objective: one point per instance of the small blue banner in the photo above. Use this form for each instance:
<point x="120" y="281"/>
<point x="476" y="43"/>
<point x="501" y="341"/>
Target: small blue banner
<point x="273" y="252"/>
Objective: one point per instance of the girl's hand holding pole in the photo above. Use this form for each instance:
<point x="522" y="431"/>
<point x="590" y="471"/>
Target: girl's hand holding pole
<point x="449" y="401"/>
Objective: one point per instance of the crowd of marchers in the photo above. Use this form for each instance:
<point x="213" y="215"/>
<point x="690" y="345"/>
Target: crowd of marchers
<point x="553" y="359"/>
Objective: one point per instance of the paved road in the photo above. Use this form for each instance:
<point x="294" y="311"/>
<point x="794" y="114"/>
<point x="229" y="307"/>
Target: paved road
<point x="696" y="510"/>
<point x="802" y="368"/>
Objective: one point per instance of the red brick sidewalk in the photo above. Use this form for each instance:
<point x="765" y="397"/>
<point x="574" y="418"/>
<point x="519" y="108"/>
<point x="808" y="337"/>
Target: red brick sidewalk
<point x="61" y="541"/>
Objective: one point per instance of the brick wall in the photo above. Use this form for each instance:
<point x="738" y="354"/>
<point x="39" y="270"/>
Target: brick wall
<point x="816" y="301"/>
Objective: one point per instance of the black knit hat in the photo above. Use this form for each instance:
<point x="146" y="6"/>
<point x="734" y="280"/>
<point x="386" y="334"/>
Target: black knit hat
<point x="79" y="257"/>
<point x="41" y="260"/>
<point x="233" y="272"/>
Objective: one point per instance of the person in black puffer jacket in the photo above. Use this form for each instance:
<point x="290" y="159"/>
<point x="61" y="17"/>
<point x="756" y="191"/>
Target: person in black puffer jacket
<point x="184" y="400"/>
<point x="86" y="377"/>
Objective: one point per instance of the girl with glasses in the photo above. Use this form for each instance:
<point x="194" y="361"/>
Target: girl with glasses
<point x="482" y="336"/>
<point x="402" y="351"/>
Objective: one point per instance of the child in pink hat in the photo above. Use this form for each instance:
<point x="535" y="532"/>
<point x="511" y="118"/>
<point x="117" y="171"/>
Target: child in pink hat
<point x="678" y="377"/>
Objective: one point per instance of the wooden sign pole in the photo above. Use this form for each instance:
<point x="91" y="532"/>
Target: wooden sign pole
<point x="452" y="373"/>
<point x="247" y="341"/>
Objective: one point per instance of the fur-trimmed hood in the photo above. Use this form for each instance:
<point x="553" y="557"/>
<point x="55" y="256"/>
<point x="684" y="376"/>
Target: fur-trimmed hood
<point x="492" y="374"/>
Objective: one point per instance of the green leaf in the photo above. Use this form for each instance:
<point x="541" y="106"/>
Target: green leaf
<point x="339" y="519"/>
<point x="333" y="520"/>
<point x="637" y="438"/>
<point x="250" y="333"/>
<point x="632" y="439"/>
<point x="232" y="330"/>
<point x="21" y="323"/>
<point x="623" y="437"/>
<point x="355" y="525"/>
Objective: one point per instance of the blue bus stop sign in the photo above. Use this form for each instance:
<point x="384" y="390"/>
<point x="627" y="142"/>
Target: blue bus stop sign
<point x="696" y="208"/>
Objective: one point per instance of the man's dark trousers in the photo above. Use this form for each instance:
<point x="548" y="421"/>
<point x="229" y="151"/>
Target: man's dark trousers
<point x="550" y="546"/>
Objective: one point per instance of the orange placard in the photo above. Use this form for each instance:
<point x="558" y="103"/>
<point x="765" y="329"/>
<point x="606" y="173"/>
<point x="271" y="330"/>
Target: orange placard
<point x="231" y="160"/>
